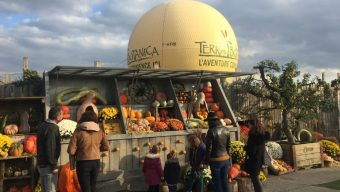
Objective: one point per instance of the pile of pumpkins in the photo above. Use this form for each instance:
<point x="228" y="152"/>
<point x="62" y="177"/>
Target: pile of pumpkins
<point x="29" y="146"/>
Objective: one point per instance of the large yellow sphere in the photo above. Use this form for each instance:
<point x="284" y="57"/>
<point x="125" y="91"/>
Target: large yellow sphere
<point x="183" y="35"/>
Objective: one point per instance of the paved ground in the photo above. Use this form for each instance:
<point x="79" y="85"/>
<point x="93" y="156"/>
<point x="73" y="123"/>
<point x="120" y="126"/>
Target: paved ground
<point x="303" y="180"/>
<point x="299" y="181"/>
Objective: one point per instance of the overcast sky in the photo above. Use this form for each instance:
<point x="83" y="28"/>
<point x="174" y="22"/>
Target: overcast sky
<point x="77" y="32"/>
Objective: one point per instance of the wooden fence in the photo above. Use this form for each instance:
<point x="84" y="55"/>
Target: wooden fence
<point x="327" y="123"/>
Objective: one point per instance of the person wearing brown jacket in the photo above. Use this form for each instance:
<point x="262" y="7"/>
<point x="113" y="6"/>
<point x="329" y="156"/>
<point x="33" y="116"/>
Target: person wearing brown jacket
<point x="87" y="142"/>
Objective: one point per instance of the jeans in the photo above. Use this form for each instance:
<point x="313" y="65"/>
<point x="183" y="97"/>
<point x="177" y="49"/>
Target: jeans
<point x="87" y="172"/>
<point x="172" y="187"/>
<point x="219" y="171"/>
<point x="48" y="179"/>
<point x="256" y="182"/>
<point x="193" y="178"/>
<point x="153" y="188"/>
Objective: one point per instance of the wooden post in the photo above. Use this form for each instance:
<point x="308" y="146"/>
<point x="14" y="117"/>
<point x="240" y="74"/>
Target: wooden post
<point x="338" y="105"/>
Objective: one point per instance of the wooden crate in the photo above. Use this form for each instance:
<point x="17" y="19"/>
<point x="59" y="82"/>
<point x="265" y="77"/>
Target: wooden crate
<point x="307" y="155"/>
<point x="302" y="155"/>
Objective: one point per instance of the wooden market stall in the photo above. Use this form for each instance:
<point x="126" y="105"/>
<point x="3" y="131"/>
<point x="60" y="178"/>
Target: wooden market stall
<point x="20" y="170"/>
<point x="128" y="148"/>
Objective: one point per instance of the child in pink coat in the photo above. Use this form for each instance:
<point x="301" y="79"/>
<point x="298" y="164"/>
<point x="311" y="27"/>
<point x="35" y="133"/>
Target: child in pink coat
<point x="152" y="169"/>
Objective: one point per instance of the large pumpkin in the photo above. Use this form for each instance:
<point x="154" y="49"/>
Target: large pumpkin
<point x="68" y="180"/>
<point x="16" y="149"/>
<point x="26" y="188"/>
<point x="30" y="145"/>
<point x="233" y="172"/>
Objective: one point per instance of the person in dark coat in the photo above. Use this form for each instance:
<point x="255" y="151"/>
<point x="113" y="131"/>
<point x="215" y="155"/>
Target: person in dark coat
<point x="255" y="150"/>
<point x="196" y="158"/>
<point x="48" y="150"/>
<point x="172" y="171"/>
<point x="218" y="146"/>
<point x="152" y="169"/>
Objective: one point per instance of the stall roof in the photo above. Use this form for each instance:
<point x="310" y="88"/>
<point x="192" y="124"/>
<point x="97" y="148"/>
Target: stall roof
<point x="140" y="73"/>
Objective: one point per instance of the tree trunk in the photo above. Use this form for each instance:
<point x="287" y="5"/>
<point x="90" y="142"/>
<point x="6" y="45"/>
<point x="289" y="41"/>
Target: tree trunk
<point x="285" y="127"/>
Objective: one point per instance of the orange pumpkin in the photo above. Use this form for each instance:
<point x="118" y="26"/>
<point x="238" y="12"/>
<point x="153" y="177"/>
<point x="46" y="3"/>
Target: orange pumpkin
<point x="16" y="149"/>
<point x="132" y="113"/>
<point x="138" y="115"/>
<point x="68" y="180"/>
<point x="215" y="107"/>
<point x="220" y="114"/>
<point x="150" y="119"/>
<point x="237" y="166"/>
<point x="233" y="172"/>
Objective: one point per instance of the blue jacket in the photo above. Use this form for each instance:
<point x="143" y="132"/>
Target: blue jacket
<point x="196" y="156"/>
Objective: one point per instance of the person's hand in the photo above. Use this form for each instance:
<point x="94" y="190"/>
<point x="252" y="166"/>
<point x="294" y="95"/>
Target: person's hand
<point x="162" y="179"/>
<point x="55" y="171"/>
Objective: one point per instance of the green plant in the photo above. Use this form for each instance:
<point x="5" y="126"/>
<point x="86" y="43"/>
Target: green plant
<point x="330" y="148"/>
<point x="31" y="78"/>
<point x="298" y="100"/>
<point x="237" y="152"/>
<point x="207" y="178"/>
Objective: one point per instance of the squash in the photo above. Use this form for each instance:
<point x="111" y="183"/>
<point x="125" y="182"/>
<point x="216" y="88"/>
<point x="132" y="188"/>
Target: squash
<point x="11" y="129"/>
<point x="30" y="145"/>
<point x="128" y="112"/>
<point x="123" y="98"/>
<point x="138" y="115"/>
<point x="215" y="107"/>
<point x="228" y="121"/>
<point x="220" y="114"/>
<point x="87" y="104"/>
<point x="151" y="119"/>
<point x="16" y="149"/>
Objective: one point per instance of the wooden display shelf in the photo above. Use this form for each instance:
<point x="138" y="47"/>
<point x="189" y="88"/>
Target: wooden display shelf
<point x="17" y="178"/>
<point x="16" y="157"/>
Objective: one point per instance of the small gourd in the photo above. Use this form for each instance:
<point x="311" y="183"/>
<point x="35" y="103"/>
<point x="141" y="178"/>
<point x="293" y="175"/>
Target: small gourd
<point x="11" y="129"/>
